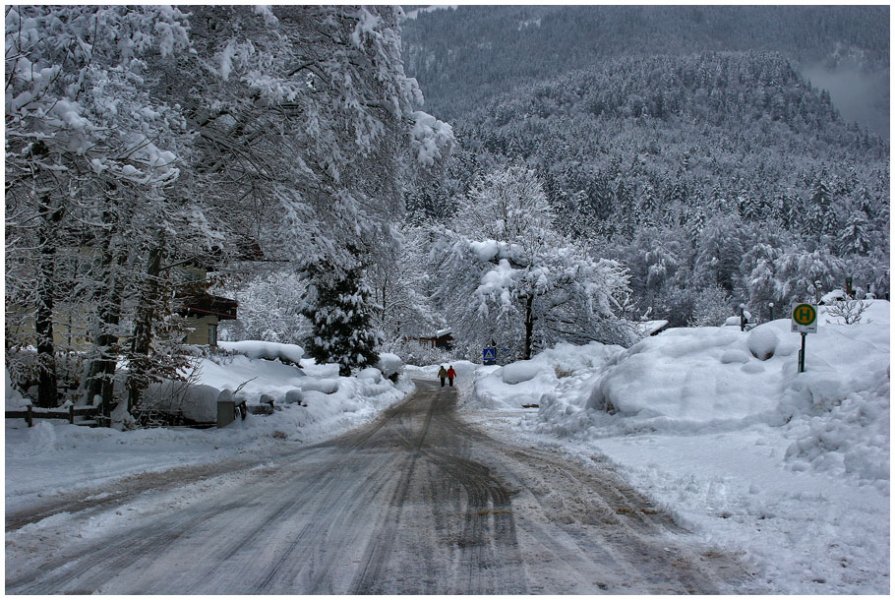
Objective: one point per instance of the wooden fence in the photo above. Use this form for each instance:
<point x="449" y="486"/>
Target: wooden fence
<point x="85" y="411"/>
<point x="146" y="418"/>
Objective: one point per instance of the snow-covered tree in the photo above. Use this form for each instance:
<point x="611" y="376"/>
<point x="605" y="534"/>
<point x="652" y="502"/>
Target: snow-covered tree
<point x="153" y="136"/>
<point x="82" y="127"/>
<point x="712" y="307"/>
<point x="719" y="251"/>
<point x="341" y="316"/>
<point x="399" y="281"/>
<point x="805" y="276"/>
<point x="508" y="276"/>
<point x="855" y="236"/>
<point x="314" y="125"/>
<point x="270" y="304"/>
<point x="762" y="283"/>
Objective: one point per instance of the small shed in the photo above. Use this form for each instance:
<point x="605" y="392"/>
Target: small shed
<point x="442" y="339"/>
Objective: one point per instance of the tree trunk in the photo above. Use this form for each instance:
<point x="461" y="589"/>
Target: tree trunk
<point x="141" y="342"/>
<point x="47" y="392"/>
<point x="529" y="326"/>
<point x="101" y="371"/>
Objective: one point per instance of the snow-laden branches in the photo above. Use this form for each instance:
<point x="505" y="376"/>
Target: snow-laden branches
<point x="507" y="275"/>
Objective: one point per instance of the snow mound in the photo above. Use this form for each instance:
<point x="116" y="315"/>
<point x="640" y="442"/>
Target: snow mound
<point x="524" y="370"/>
<point x="704" y="380"/>
<point x="540" y="381"/>
<point x="12" y="397"/>
<point x="734" y="356"/>
<point x="691" y="376"/>
<point x="763" y="342"/>
<point x="324" y="386"/>
<point x="389" y="364"/>
<point x="852" y="441"/>
<point x="197" y="401"/>
<point x="287" y="353"/>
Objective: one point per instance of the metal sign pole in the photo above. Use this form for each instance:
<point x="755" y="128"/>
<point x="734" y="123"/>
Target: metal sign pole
<point x="802" y="354"/>
<point x="804" y="320"/>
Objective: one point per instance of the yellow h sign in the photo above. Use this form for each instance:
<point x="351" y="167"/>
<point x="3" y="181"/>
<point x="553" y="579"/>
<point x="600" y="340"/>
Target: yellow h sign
<point x="804" y="318"/>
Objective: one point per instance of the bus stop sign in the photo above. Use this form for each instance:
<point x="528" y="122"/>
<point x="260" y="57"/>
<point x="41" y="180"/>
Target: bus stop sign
<point x="804" y="318"/>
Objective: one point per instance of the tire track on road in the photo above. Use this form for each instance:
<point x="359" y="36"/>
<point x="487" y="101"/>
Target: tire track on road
<point x="417" y="502"/>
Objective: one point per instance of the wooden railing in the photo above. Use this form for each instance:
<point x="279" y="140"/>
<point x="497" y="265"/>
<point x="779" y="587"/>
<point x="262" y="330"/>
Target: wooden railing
<point x="85" y="411"/>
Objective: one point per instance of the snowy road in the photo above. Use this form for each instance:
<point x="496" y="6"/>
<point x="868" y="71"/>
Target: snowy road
<point x="419" y="501"/>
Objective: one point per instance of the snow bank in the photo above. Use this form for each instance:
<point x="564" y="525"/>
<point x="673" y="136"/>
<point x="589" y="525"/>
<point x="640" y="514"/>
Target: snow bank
<point x="12" y="398"/>
<point x="54" y="457"/>
<point x="540" y="380"/>
<point x="289" y="353"/>
<point x="524" y="370"/>
<point x="718" y="379"/>
<point x="197" y="402"/>
<point x="693" y="375"/>
<point x="389" y="364"/>
<point x="249" y="378"/>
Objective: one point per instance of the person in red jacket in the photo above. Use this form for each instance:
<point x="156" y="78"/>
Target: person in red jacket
<point x="451" y="374"/>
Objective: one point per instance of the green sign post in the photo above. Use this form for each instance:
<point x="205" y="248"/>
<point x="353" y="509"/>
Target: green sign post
<point x="804" y="320"/>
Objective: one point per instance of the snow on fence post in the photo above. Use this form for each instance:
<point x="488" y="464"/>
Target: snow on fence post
<point x="226" y="408"/>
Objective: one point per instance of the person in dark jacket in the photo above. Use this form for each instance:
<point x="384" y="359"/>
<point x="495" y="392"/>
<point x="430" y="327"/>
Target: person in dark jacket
<point x="442" y="374"/>
<point x="451" y="373"/>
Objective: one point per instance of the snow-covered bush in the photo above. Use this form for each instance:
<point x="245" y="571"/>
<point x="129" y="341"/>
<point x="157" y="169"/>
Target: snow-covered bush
<point x="762" y="342"/>
<point x="712" y="306"/>
<point x="12" y="398"/>
<point x="847" y="311"/>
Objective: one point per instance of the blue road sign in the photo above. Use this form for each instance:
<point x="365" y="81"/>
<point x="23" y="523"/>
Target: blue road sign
<point x="489" y="355"/>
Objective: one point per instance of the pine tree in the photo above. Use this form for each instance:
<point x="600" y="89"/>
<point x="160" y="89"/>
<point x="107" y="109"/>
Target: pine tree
<point x="854" y="239"/>
<point x="341" y="316"/>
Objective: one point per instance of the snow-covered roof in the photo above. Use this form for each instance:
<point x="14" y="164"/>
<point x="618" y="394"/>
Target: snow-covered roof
<point x="443" y="332"/>
<point x="652" y="327"/>
<point x="832" y="296"/>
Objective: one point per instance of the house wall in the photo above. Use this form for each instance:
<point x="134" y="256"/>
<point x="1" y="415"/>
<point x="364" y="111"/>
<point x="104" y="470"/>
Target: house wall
<point x="69" y="327"/>
<point x="70" y="322"/>
<point x="199" y="329"/>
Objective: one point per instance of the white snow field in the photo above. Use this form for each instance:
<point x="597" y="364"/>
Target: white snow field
<point x="788" y="471"/>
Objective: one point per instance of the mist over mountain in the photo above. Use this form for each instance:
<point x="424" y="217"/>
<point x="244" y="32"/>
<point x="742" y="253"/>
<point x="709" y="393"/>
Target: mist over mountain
<point x="463" y="56"/>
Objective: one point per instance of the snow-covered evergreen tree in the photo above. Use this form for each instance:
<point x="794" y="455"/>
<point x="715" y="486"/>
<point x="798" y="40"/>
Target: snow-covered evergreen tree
<point x="806" y="276"/>
<point x="341" y="315"/>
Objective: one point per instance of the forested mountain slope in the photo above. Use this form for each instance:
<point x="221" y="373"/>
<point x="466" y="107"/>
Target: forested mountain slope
<point x="464" y="56"/>
<point x="716" y="178"/>
<point x="633" y="135"/>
